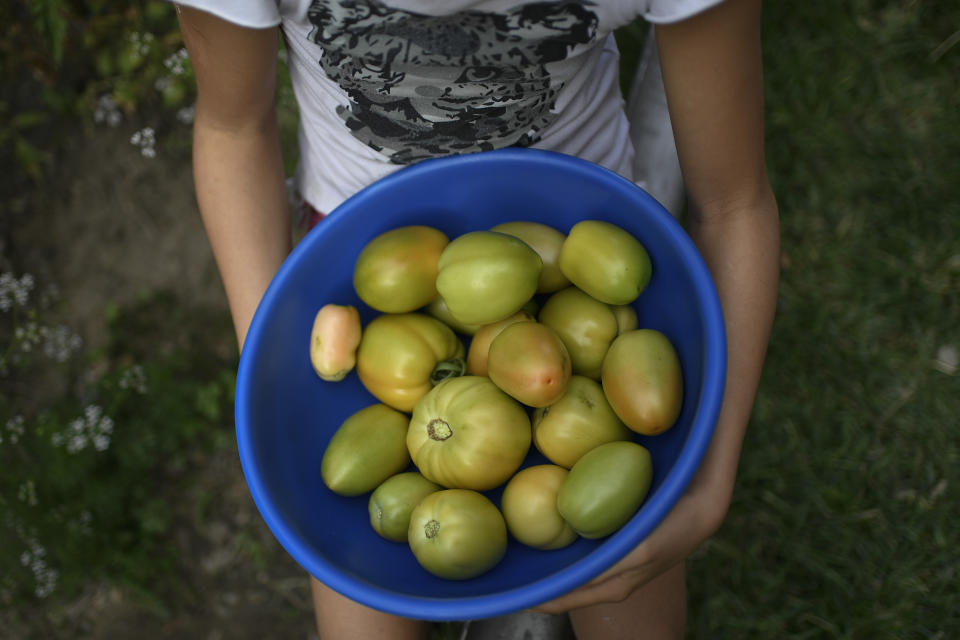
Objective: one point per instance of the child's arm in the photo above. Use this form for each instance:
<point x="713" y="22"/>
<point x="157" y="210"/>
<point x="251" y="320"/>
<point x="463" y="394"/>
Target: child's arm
<point x="713" y="79"/>
<point x="238" y="171"/>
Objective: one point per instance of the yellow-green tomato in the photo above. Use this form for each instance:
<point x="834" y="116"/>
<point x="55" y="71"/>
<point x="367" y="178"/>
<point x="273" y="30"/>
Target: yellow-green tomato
<point x="480" y="344"/>
<point x="393" y="501"/>
<point x="396" y="272"/>
<point x="606" y="261"/>
<point x="626" y="318"/>
<point x="438" y="309"/>
<point x="579" y="421"/>
<point x="366" y="449"/>
<point x="586" y="326"/>
<point x="457" y="534"/>
<point x="485" y="276"/>
<point x="468" y="434"/>
<point x="401" y="356"/>
<point x="605" y="488"/>
<point x="529" y="361"/>
<point x="529" y="505"/>
<point x="643" y="381"/>
<point x="546" y="241"/>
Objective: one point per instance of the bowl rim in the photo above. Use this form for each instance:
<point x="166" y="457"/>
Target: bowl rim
<point x="604" y="555"/>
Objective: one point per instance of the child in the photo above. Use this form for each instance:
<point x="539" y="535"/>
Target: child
<point x="385" y="83"/>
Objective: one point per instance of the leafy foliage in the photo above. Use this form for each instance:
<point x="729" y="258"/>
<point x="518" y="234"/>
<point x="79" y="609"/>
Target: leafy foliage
<point x="89" y="475"/>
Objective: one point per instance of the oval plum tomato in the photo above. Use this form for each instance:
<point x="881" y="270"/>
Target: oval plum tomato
<point x="626" y="318"/>
<point x="401" y="356"/>
<point x="605" y="261"/>
<point x="366" y="449"/>
<point x="546" y="241"/>
<point x="438" y="309"/>
<point x="529" y="361"/>
<point x="485" y="276"/>
<point x="586" y="326"/>
<point x="457" y="534"/>
<point x="468" y="434"/>
<point x="529" y="505"/>
<point x="396" y="272"/>
<point x="579" y="421"/>
<point x="480" y="344"/>
<point x="605" y="488"/>
<point x="643" y="381"/>
<point x="392" y="502"/>
<point x="334" y="340"/>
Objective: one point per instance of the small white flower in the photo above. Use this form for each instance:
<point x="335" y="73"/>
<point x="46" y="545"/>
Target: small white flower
<point x="28" y="336"/>
<point x="93" y="429"/>
<point x="134" y="378"/>
<point x="59" y="343"/>
<point x="176" y="62"/>
<point x="45" y="577"/>
<point x="185" y="114"/>
<point x="107" y="111"/>
<point x="14" y="291"/>
<point x="15" y="428"/>
<point x="146" y="139"/>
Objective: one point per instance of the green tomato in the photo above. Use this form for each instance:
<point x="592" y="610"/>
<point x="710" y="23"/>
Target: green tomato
<point x="401" y="356"/>
<point x="605" y="261"/>
<point x="468" y="434"/>
<point x="643" y="381"/>
<point x="393" y="501"/>
<point x="366" y="449"/>
<point x="546" y="241"/>
<point x="396" y="272"/>
<point x="457" y="534"/>
<point x="586" y="326"/>
<point x="605" y="488"/>
<point x="529" y="504"/>
<point x="438" y="309"/>
<point x="485" y="276"/>
<point x="579" y="421"/>
<point x="626" y="318"/>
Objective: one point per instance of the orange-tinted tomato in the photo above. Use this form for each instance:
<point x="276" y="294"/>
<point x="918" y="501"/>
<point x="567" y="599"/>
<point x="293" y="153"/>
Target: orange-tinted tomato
<point x="643" y="381"/>
<point x="529" y="361"/>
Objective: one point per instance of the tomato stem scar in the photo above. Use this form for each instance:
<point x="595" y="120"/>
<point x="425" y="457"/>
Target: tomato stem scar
<point x="438" y="429"/>
<point x="431" y="529"/>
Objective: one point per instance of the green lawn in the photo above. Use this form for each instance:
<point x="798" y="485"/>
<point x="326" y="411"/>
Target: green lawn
<point x="844" y="522"/>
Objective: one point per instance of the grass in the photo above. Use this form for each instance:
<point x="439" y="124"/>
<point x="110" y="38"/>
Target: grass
<point x="843" y="523"/>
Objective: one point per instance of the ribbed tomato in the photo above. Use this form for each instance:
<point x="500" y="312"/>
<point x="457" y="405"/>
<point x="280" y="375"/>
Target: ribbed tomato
<point x="468" y="434"/>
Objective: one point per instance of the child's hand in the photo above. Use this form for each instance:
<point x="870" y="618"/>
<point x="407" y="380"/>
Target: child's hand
<point x="695" y="517"/>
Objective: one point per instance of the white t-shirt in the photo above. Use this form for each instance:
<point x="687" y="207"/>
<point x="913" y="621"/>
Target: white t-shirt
<point x="385" y="83"/>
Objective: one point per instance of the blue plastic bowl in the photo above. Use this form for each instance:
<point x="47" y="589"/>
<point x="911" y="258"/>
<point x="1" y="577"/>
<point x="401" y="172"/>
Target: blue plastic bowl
<point x="286" y="415"/>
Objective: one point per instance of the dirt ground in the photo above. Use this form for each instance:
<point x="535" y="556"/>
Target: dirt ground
<point x="120" y="224"/>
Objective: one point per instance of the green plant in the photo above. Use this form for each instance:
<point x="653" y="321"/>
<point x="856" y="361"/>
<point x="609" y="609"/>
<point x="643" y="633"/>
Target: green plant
<point x="94" y="445"/>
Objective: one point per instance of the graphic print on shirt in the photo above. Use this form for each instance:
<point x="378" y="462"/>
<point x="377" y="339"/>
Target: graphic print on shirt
<point x="423" y="86"/>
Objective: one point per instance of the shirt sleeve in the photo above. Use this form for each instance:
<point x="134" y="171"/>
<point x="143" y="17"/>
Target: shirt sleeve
<point x="256" y="14"/>
<point x="667" y="11"/>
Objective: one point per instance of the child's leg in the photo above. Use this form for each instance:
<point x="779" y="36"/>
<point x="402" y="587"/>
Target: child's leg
<point x="655" y="611"/>
<point x="339" y="617"/>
